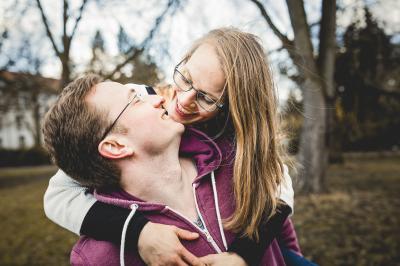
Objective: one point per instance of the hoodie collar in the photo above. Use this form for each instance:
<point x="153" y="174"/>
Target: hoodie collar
<point x="204" y="151"/>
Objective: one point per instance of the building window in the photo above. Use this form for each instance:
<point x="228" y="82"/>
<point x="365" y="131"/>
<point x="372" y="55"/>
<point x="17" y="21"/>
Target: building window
<point x="18" y="121"/>
<point x="21" y="142"/>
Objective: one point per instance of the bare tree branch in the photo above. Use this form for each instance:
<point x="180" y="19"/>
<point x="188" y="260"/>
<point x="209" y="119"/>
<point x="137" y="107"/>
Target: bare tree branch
<point x="135" y="51"/>
<point x="302" y="39"/>
<point x="327" y="46"/>
<point x="78" y="18"/>
<point x="65" y="18"/>
<point x="48" y="32"/>
<point x="276" y="50"/>
<point x="284" y="39"/>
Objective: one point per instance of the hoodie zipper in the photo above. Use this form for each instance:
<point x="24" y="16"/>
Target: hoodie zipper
<point x="205" y="231"/>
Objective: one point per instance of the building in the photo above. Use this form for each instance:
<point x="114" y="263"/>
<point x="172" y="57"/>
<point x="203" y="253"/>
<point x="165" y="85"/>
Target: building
<point x="24" y="99"/>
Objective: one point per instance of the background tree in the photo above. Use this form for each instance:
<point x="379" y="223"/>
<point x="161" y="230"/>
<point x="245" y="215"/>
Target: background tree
<point x="124" y="41"/>
<point x="139" y="69"/>
<point x="292" y="121"/>
<point x="137" y="50"/>
<point x="368" y="88"/>
<point x="62" y="51"/>
<point x="21" y="90"/>
<point x="99" y="55"/>
<point x="316" y="68"/>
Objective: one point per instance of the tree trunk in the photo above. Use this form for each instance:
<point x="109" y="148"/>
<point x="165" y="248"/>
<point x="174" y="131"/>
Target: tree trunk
<point x="65" y="75"/>
<point x="36" y="117"/>
<point x="318" y="86"/>
<point x="313" y="153"/>
<point x="66" y="72"/>
<point x="326" y="65"/>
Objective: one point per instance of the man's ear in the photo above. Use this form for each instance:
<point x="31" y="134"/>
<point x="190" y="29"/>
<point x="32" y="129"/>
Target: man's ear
<point x="113" y="148"/>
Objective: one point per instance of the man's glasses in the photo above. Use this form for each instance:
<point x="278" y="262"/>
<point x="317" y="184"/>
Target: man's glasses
<point x="133" y="96"/>
<point x="202" y="99"/>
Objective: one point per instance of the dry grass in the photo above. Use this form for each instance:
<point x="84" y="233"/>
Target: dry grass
<point x="28" y="238"/>
<point x="356" y="223"/>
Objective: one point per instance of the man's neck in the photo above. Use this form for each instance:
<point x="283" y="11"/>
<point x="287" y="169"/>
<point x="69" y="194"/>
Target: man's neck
<point x="164" y="178"/>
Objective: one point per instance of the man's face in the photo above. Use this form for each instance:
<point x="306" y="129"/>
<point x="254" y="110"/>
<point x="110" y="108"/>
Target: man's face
<point x="148" y="128"/>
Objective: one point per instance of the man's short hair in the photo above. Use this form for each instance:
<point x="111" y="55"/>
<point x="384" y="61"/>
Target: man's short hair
<point x="72" y="131"/>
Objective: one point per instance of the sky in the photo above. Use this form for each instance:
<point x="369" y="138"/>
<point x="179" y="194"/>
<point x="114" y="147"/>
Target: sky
<point x="177" y="32"/>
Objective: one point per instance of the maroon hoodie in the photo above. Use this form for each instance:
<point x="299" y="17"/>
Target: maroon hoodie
<point x="213" y="193"/>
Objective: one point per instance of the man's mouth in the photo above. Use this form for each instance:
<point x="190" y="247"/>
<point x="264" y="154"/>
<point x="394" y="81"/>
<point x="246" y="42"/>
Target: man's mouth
<point x="166" y="111"/>
<point x="165" y="115"/>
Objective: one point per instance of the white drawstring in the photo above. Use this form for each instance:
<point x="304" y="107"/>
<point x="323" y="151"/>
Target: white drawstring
<point x="134" y="207"/>
<point x="221" y="229"/>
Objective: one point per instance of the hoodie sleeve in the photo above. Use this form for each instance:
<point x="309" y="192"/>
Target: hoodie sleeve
<point x="287" y="237"/>
<point x="252" y="251"/>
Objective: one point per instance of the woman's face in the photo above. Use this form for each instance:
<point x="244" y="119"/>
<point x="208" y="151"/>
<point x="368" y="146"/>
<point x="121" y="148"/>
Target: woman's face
<point x="204" y="72"/>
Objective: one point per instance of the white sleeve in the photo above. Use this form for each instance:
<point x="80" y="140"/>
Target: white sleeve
<point x="66" y="202"/>
<point x="285" y="190"/>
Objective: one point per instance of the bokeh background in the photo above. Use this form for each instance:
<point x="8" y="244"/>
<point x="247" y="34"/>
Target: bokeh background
<point x="336" y="67"/>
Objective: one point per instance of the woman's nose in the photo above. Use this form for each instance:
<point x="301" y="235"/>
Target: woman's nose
<point x="187" y="99"/>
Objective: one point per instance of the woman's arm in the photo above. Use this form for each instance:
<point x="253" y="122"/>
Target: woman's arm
<point x="252" y="251"/>
<point x="66" y="202"/>
<point x="71" y="206"/>
<point x="287" y="237"/>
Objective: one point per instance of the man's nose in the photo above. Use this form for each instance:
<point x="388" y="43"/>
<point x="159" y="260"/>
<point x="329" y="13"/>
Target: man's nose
<point x="155" y="100"/>
<point x="187" y="99"/>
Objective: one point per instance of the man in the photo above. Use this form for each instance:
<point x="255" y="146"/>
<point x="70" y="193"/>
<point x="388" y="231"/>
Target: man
<point x="106" y="137"/>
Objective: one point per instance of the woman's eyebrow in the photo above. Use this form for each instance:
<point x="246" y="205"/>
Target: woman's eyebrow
<point x="189" y="78"/>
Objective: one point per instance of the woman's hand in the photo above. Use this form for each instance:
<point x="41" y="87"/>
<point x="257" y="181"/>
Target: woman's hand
<point x="223" y="259"/>
<point x="159" y="245"/>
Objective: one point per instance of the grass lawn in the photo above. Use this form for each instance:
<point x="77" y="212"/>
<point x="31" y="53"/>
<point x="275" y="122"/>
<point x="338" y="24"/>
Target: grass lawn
<point x="356" y="223"/>
<point x="28" y="237"/>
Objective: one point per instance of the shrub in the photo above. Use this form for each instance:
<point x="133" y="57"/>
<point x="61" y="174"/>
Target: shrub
<point x="25" y="157"/>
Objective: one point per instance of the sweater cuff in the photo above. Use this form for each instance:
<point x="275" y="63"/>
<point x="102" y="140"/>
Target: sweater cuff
<point x="105" y="222"/>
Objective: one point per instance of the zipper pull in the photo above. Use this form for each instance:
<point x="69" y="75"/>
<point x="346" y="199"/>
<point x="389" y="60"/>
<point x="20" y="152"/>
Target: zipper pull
<point x="209" y="238"/>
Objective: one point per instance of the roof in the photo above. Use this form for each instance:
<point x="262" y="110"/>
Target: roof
<point x="25" y="80"/>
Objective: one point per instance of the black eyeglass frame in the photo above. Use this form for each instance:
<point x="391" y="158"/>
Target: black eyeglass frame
<point x="198" y="92"/>
<point x="108" y="130"/>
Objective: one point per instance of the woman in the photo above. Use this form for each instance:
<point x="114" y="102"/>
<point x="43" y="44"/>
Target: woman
<point x="223" y="86"/>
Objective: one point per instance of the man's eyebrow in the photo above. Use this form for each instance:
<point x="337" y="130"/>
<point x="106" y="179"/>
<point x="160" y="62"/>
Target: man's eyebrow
<point x="189" y="78"/>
